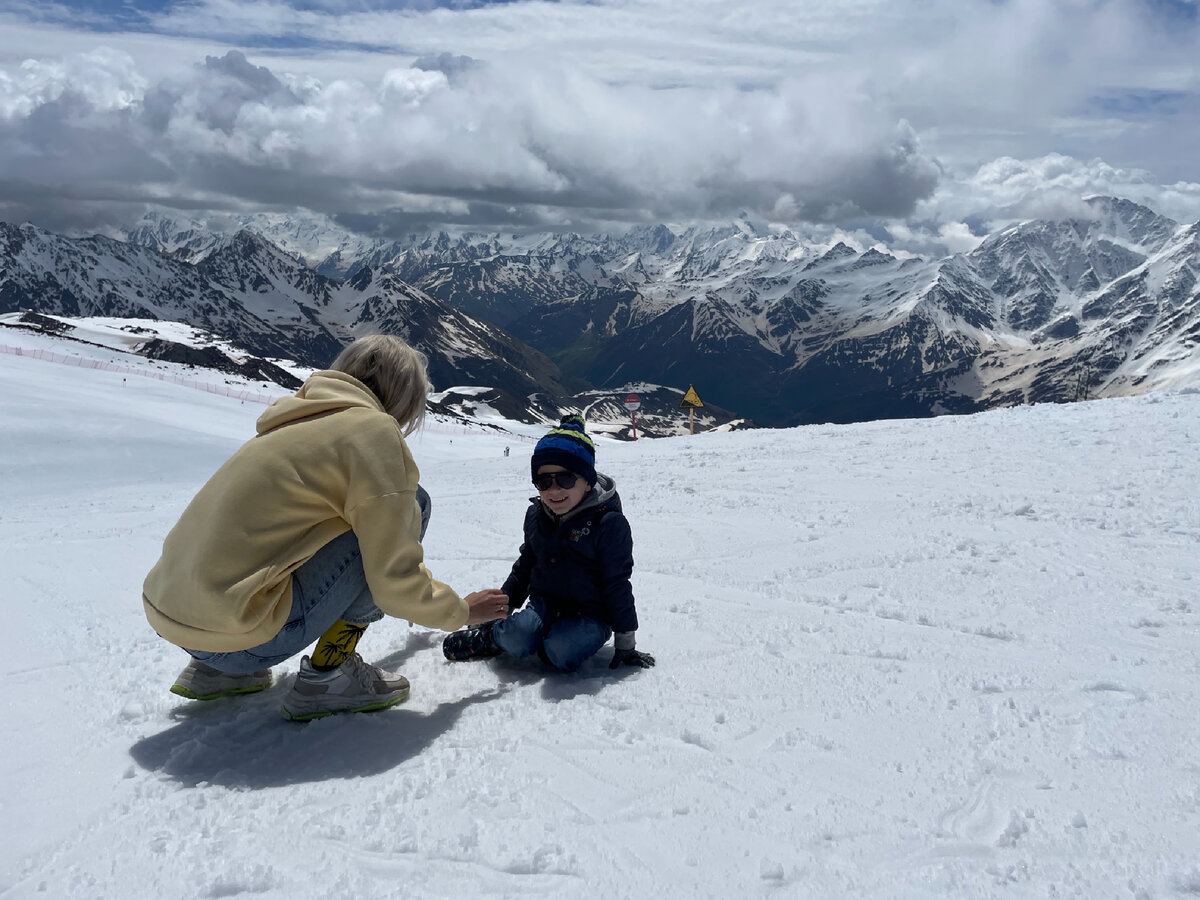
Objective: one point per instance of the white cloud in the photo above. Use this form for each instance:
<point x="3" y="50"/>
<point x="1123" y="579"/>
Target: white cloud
<point x="958" y="238"/>
<point x="1054" y="186"/>
<point x="105" y="80"/>
<point x="936" y="114"/>
<point x="516" y="136"/>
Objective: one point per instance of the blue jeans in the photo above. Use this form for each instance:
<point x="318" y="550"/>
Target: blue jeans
<point x="330" y="586"/>
<point x="564" y="644"/>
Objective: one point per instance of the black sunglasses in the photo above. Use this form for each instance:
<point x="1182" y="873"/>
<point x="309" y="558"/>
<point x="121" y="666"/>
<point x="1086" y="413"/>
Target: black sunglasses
<point x="565" y="480"/>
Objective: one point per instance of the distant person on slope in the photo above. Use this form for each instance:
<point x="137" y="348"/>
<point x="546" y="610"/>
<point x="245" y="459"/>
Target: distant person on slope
<point x="574" y="567"/>
<point x="309" y="532"/>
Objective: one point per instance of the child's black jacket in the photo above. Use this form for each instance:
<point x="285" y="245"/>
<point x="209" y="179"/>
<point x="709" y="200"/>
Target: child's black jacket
<point x="580" y="564"/>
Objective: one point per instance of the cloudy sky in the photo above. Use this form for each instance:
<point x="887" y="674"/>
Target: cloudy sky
<point x="937" y="118"/>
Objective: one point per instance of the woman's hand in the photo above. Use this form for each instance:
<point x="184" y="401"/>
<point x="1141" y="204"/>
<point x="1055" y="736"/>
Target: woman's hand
<point x="486" y="605"/>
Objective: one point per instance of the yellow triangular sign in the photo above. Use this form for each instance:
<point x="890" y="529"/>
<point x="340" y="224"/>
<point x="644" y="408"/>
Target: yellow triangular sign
<point x="691" y="398"/>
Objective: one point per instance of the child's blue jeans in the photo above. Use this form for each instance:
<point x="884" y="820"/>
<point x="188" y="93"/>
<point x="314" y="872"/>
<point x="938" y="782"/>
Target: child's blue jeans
<point x="565" y="644"/>
<point x="330" y="586"/>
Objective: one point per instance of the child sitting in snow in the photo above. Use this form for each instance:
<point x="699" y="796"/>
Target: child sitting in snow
<point x="574" y="567"/>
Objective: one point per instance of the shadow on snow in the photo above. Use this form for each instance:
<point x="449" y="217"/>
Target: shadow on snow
<point x="244" y="742"/>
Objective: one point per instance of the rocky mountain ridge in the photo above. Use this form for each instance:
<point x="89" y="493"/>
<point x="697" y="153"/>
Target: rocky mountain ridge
<point x="788" y="332"/>
<point x="249" y="291"/>
<point x="761" y="322"/>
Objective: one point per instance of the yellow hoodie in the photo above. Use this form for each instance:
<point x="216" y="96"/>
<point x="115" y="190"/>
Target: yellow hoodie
<point x="327" y="460"/>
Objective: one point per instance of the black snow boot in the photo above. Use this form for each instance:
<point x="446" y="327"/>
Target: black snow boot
<point x="474" y="642"/>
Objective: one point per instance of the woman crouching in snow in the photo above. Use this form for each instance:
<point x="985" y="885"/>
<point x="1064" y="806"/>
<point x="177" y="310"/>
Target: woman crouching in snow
<point x="310" y="532"/>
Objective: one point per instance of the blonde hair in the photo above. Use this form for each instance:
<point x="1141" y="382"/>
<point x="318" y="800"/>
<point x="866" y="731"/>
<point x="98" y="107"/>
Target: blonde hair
<point x="394" y="372"/>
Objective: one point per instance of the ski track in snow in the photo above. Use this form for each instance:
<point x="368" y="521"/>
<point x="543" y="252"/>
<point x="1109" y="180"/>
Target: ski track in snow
<point x="938" y="658"/>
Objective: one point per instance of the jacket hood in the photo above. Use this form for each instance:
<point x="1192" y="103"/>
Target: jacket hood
<point x="604" y="491"/>
<point x="324" y="392"/>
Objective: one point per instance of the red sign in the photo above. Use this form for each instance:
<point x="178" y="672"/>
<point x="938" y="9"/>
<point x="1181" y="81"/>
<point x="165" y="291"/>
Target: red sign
<point x="633" y="402"/>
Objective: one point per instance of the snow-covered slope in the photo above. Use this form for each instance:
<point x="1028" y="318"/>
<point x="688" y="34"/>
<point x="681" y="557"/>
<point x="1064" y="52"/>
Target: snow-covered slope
<point x="941" y="658"/>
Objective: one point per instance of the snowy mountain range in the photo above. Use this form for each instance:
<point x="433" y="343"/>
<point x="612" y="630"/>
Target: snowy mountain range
<point x="762" y="322"/>
<point x="247" y="290"/>
<point x="786" y="332"/>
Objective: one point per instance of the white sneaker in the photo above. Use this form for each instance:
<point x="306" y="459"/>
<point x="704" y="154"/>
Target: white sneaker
<point x="200" y="682"/>
<point x="354" y="686"/>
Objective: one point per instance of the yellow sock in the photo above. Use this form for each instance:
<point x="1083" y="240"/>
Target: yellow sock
<point x="336" y="644"/>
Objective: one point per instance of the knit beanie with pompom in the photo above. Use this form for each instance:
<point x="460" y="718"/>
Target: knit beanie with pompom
<point x="568" y="446"/>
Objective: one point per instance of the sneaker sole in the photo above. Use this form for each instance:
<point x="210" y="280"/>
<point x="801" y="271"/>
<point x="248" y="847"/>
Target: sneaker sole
<point x="370" y="707"/>
<point x="182" y="691"/>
